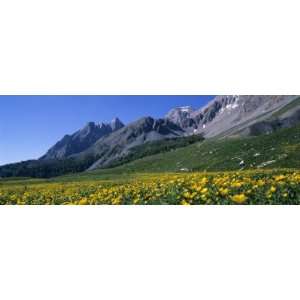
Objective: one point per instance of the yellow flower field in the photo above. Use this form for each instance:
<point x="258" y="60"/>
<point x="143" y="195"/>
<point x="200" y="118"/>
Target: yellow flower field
<point x="263" y="187"/>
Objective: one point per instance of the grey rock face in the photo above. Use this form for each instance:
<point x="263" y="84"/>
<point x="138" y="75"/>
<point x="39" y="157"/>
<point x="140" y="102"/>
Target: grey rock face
<point x="81" y="140"/>
<point x="183" y="117"/>
<point x="118" y="143"/>
<point x="116" y="124"/>
<point x="228" y="115"/>
<point x="287" y="120"/>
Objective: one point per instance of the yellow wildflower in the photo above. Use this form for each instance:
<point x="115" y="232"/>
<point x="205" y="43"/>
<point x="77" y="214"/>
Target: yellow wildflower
<point x="240" y="198"/>
<point x="237" y="184"/>
<point x="184" y="202"/>
<point x="279" y="178"/>
<point x="224" y="191"/>
<point x="83" y="201"/>
<point x="204" y="191"/>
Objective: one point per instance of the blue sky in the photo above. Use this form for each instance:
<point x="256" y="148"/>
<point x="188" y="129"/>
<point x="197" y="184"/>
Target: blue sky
<point x="30" y="125"/>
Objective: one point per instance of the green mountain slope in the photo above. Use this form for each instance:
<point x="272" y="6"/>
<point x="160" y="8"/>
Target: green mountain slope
<point x="156" y="147"/>
<point x="277" y="150"/>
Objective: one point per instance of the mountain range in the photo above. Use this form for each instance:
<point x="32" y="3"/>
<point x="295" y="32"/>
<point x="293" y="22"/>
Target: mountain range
<point x="100" y="145"/>
<point x="82" y="139"/>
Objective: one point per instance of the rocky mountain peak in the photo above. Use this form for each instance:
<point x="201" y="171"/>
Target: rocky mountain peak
<point x="116" y="124"/>
<point x="182" y="116"/>
<point x="90" y="126"/>
<point x="82" y="139"/>
<point x="182" y="111"/>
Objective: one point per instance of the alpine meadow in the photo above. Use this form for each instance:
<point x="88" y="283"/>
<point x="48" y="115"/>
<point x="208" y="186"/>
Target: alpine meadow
<point x="228" y="150"/>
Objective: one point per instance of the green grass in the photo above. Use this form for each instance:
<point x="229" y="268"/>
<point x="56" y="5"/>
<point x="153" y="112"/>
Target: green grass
<point x="20" y="181"/>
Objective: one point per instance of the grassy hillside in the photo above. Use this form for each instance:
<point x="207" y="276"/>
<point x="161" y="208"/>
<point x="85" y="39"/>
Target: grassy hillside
<point x="156" y="147"/>
<point x="278" y="150"/>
